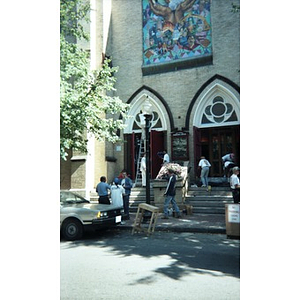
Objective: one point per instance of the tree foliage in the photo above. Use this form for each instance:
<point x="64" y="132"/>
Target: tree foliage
<point x="84" y="101"/>
<point x="235" y="7"/>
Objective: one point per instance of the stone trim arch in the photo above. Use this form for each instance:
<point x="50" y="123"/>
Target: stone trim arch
<point x="216" y="86"/>
<point x="159" y="106"/>
<point x="217" y="95"/>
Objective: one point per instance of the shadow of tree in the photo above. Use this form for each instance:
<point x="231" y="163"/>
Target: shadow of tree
<point x="197" y="253"/>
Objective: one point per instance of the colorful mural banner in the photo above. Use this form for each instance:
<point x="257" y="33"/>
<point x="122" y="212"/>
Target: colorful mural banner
<point x="175" y="30"/>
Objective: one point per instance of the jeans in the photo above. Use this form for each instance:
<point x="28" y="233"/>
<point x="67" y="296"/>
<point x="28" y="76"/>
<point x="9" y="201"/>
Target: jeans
<point x="204" y="175"/>
<point x="169" y="199"/>
<point x="126" y="205"/>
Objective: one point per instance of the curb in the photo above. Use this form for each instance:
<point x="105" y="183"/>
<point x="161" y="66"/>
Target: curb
<point x="180" y="229"/>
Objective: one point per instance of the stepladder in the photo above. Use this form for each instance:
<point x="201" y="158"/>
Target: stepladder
<point x="141" y="151"/>
<point x="142" y="208"/>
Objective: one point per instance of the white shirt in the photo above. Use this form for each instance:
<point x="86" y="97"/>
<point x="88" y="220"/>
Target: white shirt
<point x="234" y="180"/>
<point x="166" y="158"/>
<point x="227" y="157"/>
<point x="227" y="163"/>
<point x="116" y="192"/>
<point x="204" y="163"/>
<point x="143" y="164"/>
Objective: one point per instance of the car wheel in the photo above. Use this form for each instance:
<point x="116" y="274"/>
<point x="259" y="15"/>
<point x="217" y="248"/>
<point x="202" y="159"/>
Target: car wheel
<point x="72" y="229"/>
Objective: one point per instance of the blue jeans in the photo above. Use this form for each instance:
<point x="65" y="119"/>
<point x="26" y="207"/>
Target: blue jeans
<point x="204" y="175"/>
<point x="169" y="199"/>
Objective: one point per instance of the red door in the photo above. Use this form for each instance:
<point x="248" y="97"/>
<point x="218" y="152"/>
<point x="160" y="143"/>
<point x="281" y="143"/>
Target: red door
<point x="215" y="142"/>
<point x="156" y="145"/>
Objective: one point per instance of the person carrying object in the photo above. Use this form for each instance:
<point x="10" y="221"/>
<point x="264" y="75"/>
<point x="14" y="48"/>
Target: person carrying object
<point x="170" y="195"/>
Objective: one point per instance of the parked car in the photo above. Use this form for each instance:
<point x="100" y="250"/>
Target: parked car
<point x="77" y="214"/>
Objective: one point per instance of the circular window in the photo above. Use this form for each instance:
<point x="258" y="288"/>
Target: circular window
<point x="218" y="109"/>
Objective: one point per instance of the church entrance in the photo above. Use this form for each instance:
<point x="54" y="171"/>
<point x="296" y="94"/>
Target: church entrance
<point x="133" y="141"/>
<point x="214" y="143"/>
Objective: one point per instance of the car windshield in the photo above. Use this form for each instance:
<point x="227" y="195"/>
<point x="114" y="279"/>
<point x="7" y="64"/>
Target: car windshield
<point x="71" y="198"/>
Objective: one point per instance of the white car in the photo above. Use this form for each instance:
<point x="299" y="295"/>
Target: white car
<point x="77" y="214"/>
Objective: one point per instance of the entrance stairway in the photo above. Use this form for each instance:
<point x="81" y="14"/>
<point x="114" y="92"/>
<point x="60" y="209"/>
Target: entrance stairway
<point x="213" y="202"/>
<point x="203" y="202"/>
<point x="137" y="196"/>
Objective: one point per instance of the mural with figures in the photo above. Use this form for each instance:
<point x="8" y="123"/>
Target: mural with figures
<point x="175" y="30"/>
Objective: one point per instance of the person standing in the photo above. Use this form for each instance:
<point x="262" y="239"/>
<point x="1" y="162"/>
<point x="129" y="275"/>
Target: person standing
<point x="235" y="184"/>
<point x="170" y="195"/>
<point x="166" y="158"/>
<point x="102" y="190"/>
<point x="126" y="182"/>
<point x="117" y="192"/>
<point x="204" y="165"/>
<point x="143" y="170"/>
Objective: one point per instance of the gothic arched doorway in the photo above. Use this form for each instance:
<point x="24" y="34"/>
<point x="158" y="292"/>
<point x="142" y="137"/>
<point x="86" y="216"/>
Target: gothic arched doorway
<point x="216" y="126"/>
<point x="133" y="132"/>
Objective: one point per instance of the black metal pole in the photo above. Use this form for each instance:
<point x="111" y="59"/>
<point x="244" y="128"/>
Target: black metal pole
<point x="147" y="128"/>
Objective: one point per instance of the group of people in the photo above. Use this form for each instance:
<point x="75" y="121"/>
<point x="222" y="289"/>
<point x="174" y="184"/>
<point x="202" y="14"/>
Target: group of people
<point x="120" y="191"/>
<point x="229" y="166"/>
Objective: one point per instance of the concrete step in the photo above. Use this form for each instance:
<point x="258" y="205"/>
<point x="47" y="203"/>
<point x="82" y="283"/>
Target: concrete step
<point x="203" y="202"/>
<point x="208" y="210"/>
<point x="208" y="197"/>
<point x="209" y="203"/>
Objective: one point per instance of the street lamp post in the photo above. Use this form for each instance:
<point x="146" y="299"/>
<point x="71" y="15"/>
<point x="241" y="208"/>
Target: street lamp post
<point x="147" y="112"/>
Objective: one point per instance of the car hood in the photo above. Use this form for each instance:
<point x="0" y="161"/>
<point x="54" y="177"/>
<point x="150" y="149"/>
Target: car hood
<point x="91" y="206"/>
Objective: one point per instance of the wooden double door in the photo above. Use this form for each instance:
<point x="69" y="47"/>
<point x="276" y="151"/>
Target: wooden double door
<point x="214" y="143"/>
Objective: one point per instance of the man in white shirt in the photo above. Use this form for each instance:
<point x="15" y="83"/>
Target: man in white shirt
<point x="228" y="163"/>
<point x="204" y="165"/>
<point x="166" y="158"/>
<point x="143" y="170"/>
<point x="235" y="184"/>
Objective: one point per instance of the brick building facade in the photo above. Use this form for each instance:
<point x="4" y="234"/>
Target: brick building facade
<point x="195" y="97"/>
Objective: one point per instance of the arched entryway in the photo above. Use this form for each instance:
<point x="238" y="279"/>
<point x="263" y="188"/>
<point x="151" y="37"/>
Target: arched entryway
<point x="159" y="128"/>
<point x="215" y="120"/>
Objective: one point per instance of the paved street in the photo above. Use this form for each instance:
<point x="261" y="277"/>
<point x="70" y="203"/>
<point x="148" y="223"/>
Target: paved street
<point x="167" y="265"/>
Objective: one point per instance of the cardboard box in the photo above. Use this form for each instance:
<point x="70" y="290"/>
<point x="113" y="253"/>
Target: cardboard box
<point x="232" y="217"/>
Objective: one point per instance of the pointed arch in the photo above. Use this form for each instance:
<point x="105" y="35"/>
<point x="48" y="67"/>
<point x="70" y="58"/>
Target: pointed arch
<point x="217" y="107"/>
<point x="162" y="117"/>
<point x="215" y="104"/>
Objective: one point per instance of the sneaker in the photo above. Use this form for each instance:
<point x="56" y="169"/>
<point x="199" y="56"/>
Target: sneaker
<point x="123" y="223"/>
<point x="165" y="217"/>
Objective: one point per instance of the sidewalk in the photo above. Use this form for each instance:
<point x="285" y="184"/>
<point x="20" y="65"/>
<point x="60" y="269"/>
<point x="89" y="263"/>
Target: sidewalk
<point x="200" y="223"/>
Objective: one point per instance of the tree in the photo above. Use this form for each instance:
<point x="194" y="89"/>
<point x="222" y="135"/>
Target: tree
<point x="235" y="8"/>
<point x="85" y="104"/>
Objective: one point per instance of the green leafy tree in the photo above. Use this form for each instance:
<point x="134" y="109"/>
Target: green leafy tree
<point x="85" y="104"/>
<point x="235" y="7"/>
